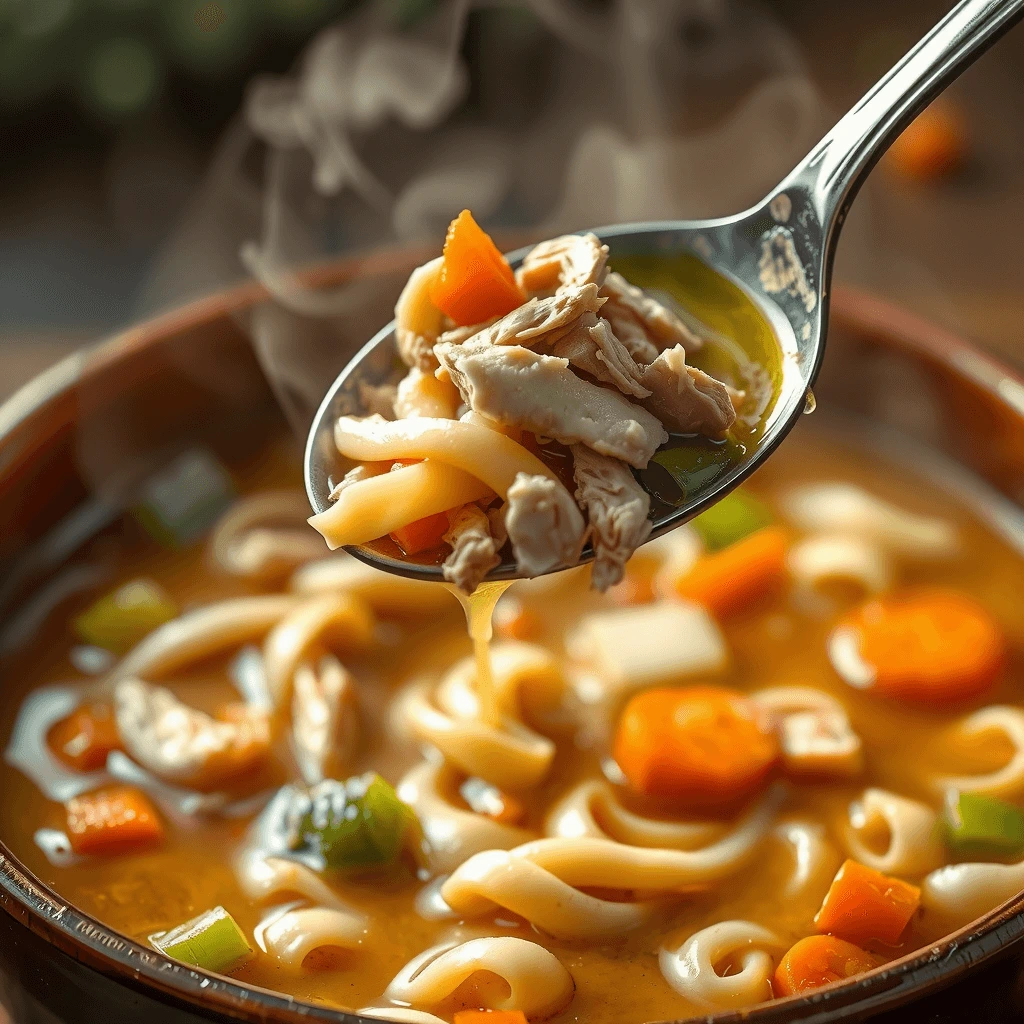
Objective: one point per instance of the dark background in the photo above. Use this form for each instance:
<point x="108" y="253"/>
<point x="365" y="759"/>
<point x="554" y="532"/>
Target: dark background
<point x="109" y="110"/>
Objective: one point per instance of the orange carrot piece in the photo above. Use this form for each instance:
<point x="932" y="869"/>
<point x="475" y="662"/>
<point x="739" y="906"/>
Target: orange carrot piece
<point x="935" y="646"/>
<point x="112" y="820"/>
<point x="863" y="905"/>
<point x="819" y="960"/>
<point x="934" y="145"/>
<point x="423" y="534"/>
<point x="475" y="282"/>
<point x="490" y="1017"/>
<point x="701" y="746"/>
<point x="85" y="738"/>
<point x="739" y="575"/>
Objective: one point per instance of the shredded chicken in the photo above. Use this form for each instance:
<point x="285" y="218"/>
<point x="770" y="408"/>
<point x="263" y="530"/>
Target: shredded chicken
<point x="629" y="304"/>
<point x="422" y="394"/>
<point x="378" y="399"/>
<point x="544" y="525"/>
<point x="686" y="399"/>
<point x="474" y="549"/>
<point x="537" y="321"/>
<point x="416" y="349"/>
<point x="183" y="745"/>
<point x="515" y="386"/>
<point x="617" y="508"/>
<point x="592" y="347"/>
<point x="325" y="719"/>
<point x="568" y="260"/>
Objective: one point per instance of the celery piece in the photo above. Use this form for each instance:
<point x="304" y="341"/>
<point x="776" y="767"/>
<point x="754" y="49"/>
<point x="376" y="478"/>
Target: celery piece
<point x="738" y="514"/>
<point x="212" y="941"/>
<point x="185" y="498"/>
<point x="356" y="824"/>
<point x="977" y="825"/>
<point x="118" y="621"/>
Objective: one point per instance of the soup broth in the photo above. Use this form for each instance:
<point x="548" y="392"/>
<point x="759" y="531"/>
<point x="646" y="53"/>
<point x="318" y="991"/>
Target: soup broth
<point x="782" y="639"/>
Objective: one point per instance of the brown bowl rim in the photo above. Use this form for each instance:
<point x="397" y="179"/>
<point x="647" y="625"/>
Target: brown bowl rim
<point x="84" y="938"/>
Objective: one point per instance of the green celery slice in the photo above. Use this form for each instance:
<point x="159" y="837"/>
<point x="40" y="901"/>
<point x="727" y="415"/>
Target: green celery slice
<point x="977" y="825"/>
<point x="118" y="621"/>
<point x="356" y="824"/>
<point x="183" y="500"/>
<point x="736" y="516"/>
<point x="212" y="941"/>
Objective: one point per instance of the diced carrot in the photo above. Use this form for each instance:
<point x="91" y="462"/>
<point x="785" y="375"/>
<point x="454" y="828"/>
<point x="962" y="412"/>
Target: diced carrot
<point x="475" y="282"/>
<point x="112" y="820"/>
<point x="423" y="534"/>
<point x="863" y="905"/>
<point x="936" y="646"/>
<point x="819" y="960"/>
<point x="702" y="746"/>
<point x="490" y="1017"/>
<point x="934" y="145"/>
<point x="85" y="738"/>
<point x="738" y="576"/>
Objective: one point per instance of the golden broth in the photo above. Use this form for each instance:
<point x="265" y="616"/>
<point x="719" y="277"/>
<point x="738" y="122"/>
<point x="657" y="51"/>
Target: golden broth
<point x="778" y="644"/>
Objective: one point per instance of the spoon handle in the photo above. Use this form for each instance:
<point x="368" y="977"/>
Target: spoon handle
<point x="833" y="171"/>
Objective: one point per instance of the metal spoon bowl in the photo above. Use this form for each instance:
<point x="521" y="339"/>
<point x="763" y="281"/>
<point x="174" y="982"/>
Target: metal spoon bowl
<point x="780" y="252"/>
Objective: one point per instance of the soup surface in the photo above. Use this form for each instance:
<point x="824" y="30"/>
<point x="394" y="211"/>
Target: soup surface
<point x="632" y="875"/>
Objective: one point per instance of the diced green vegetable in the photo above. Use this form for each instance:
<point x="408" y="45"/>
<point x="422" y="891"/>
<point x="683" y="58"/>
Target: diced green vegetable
<point x="977" y="825"/>
<point x="181" y="502"/>
<point x="120" y="620"/>
<point x="356" y="824"/>
<point x="692" y="465"/>
<point x="212" y="941"/>
<point x="738" y="514"/>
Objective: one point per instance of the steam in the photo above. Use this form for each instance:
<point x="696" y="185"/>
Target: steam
<point x="572" y="116"/>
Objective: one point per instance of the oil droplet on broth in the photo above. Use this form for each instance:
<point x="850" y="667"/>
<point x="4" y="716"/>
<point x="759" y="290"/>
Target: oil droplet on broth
<point x="740" y="348"/>
<point x="479" y="608"/>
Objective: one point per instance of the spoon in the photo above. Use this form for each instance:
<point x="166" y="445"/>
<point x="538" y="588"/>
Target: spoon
<point x="780" y="252"/>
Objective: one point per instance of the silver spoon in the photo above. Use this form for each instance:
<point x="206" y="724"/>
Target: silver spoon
<point x="780" y="252"/>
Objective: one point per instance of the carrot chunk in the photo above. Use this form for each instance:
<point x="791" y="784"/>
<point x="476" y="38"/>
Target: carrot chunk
<point x="738" y="576"/>
<point x="475" y="282"/>
<point x="701" y="746"/>
<point x="933" y="146"/>
<point x="423" y="534"/>
<point x="935" y="646"/>
<point x="112" y="820"/>
<point x="85" y="738"/>
<point x="863" y="905"/>
<point x="819" y="960"/>
<point x="490" y="1017"/>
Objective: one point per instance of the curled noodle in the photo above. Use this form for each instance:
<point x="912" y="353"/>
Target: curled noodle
<point x="536" y="983"/>
<point x="202" y="633"/>
<point x="815" y="859"/>
<point x="265" y="536"/>
<point x="510" y="755"/>
<point x="912" y="846"/>
<point x="308" y="623"/>
<point x="692" y="969"/>
<point x="959" y="893"/>
<point x="543" y="880"/>
<point x="293" y="932"/>
<point x="591" y="809"/>
<point x="1006" y="782"/>
<point x="452" y="833"/>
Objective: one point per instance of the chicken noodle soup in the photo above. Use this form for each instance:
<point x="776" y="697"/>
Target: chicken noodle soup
<point x="784" y="749"/>
<point x="531" y="400"/>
